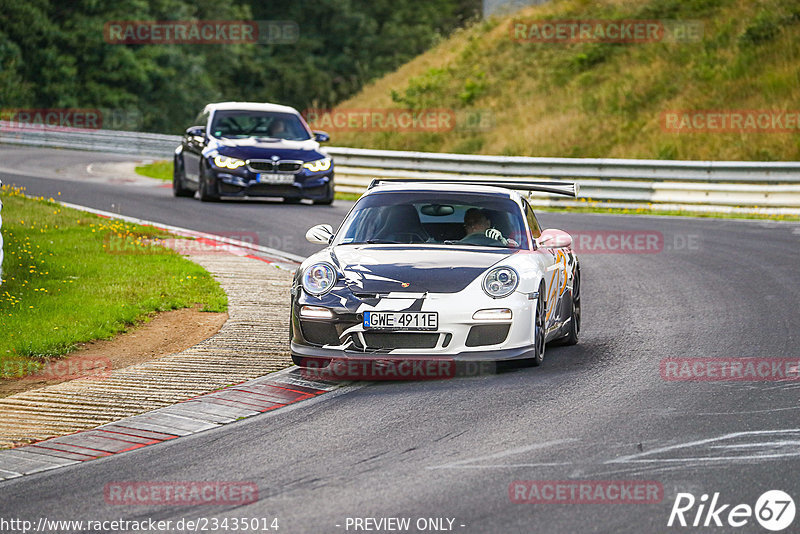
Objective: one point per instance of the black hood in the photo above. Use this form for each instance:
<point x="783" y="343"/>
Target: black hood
<point x="383" y="269"/>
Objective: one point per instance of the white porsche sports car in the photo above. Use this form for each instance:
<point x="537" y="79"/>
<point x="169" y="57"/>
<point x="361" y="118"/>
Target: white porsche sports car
<point x="419" y="269"/>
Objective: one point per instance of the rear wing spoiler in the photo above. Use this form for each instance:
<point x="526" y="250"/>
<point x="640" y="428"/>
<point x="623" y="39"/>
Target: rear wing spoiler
<point x="569" y="189"/>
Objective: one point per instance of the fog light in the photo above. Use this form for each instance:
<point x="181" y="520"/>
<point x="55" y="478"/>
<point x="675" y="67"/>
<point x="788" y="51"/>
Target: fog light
<point x="315" y="312"/>
<point x="495" y="314"/>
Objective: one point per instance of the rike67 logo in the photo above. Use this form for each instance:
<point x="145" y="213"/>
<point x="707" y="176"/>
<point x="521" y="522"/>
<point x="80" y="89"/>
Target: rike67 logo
<point x="774" y="510"/>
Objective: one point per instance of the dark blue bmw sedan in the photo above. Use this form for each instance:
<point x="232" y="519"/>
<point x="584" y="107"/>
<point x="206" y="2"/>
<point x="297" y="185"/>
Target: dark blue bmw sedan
<point x="242" y="149"/>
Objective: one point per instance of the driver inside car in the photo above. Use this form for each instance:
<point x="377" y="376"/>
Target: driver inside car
<point x="479" y="230"/>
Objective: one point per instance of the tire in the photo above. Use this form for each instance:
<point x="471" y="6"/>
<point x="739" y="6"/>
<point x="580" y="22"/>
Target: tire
<point x="539" y="329"/>
<point x="575" y="313"/>
<point x="328" y="199"/>
<point x="178" y="175"/>
<point x="206" y="194"/>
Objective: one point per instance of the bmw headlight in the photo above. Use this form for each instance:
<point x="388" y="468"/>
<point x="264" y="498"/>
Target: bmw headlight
<point x="318" y="165"/>
<point x="319" y="279"/>
<point x="224" y="162"/>
<point x="500" y="282"/>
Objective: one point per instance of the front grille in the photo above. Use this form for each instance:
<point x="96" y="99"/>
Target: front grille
<point x="268" y="190"/>
<point x="400" y="340"/>
<point x="261" y="166"/>
<point x="266" y="165"/>
<point x="487" y="334"/>
<point x="319" y="333"/>
<point x="289" y="166"/>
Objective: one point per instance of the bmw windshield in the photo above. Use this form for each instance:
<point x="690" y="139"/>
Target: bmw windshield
<point x="239" y="124"/>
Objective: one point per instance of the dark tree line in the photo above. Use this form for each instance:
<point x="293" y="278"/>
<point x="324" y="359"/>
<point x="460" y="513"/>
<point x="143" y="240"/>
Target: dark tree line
<point x="53" y="54"/>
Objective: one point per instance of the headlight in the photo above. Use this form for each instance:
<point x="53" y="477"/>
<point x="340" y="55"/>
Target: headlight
<point x="500" y="282"/>
<point x="319" y="279"/>
<point x="318" y="165"/>
<point x="224" y="162"/>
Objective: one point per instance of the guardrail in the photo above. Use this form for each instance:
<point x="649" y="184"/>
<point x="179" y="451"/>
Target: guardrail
<point x="731" y="186"/>
<point x="697" y="185"/>
<point x="120" y="142"/>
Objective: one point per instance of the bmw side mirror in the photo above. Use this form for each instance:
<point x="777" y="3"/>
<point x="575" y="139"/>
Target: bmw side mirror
<point x="321" y="137"/>
<point x="320" y="234"/>
<point x="554" y="239"/>
<point x="196" y="131"/>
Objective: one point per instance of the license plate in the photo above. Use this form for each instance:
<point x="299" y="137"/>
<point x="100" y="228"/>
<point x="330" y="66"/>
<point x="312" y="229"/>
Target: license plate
<point x="401" y="320"/>
<point x="274" y="178"/>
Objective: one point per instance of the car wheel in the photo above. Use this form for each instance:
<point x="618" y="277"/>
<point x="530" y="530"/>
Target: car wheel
<point x="206" y="191"/>
<point x="539" y="329"/>
<point x="178" y="181"/>
<point x="575" y="316"/>
<point x="327" y="200"/>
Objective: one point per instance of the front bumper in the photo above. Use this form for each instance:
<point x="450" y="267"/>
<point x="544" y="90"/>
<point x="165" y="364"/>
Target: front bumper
<point x="303" y="355"/>
<point x="458" y="336"/>
<point x="313" y="187"/>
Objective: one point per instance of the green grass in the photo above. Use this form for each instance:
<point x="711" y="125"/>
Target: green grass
<point x="161" y="170"/>
<point x="71" y="277"/>
<point x="588" y="100"/>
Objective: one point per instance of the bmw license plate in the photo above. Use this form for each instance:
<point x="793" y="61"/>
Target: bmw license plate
<point x="401" y="320"/>
<point x="274" y="178"/>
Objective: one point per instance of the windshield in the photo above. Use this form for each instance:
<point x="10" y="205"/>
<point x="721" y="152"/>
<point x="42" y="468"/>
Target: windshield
<point x="238" y="124"/>
<point x="441" y="218"/>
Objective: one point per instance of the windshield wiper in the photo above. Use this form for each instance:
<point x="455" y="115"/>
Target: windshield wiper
<point x="373" y="242"/>
<point x="456" y="242"/>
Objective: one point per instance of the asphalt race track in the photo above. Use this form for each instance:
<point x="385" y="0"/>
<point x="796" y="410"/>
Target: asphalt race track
<point x="451" y="449"/>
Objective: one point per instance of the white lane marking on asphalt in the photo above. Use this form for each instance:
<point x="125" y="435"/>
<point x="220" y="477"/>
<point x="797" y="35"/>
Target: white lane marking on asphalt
<point x="783" y="386"/>
<point x="500" y="466"/>
<point x="754" y="445"/>
<point x="503" y="454"/>
<point x="641" y="457"/>
<point x="188" y="232"/>
<point x="750" y="411"/>
<point x="89" y="168"/>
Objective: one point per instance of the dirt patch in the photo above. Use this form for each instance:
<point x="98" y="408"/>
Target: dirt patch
<point x="166" y="333"/>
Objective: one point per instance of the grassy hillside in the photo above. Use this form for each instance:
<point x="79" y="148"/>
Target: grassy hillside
<point x="603" y="100"/>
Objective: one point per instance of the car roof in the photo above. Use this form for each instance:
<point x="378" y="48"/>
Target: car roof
<point x="251" y="106"/>
<point x="421" y="186"/>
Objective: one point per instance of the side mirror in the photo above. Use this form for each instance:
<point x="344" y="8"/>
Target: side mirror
<point x="554" y="239"/>
<point x="321" y="137"/>
<point x="196" y="131"/>
<point x="320" y="234"/>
